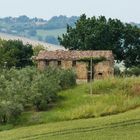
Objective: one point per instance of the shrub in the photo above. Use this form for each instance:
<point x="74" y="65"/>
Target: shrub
<point x="117" y="71"/>
<point x="133" y="71"/>
<point x="67" y="78"/>
<point x="44" y="90"/>
<point x="28" y="87"/>
<point x="9" y="111"/>
<point x="47" y="84"/>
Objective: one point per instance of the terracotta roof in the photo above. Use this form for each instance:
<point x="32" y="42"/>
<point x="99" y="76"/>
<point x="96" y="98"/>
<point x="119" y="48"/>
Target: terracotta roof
<point x="72" y="55"/>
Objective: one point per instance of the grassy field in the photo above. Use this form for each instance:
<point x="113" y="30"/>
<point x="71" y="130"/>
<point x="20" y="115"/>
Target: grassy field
<point x="110" y="96"/>
<point x="54" y="32"/>
<point x="124" y="126"/>
<point x="76" y="111"/>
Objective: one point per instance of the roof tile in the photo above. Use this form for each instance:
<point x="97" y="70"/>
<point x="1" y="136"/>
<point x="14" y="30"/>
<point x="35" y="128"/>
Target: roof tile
<point x="72" y="55"/>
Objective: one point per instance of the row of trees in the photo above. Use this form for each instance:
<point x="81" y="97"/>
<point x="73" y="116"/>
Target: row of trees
<point x="105" y="34"/>
<point x="30" y="88"/>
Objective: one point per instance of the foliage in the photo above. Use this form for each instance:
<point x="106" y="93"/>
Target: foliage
<point x="10" y="104"/>
<point x="15" y="54"/>
<point x="110" y="96"/>
<point x="104" y="34"/>
<point x="60" y="22"/>
<point x="94" y="59"/>
<point x="28" y="27"/>
<point x="122" y="126"/>
<point x="134" y="71"/>
<point x="131" y="45"/>
<point x="29" y="88"/>
<point x="67" y="79"/>
<point x="117" y="71"/>
<point x="37" y="49"/>
<point x="9" y="111"/>
<point x="44" y="90"/>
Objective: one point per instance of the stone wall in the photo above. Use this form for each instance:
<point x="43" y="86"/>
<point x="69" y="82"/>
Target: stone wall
<point x="66" y="64"/>
<point x="41" y="65"/>
<point x="103" y="70"/>
<point x="81" y="70"/>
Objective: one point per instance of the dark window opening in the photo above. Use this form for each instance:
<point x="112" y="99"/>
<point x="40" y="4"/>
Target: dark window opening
<point x="59" y="63"/>
<point x="47" y="63"/>
<point x="73" y="63"/>
<point x="100" y="74"/>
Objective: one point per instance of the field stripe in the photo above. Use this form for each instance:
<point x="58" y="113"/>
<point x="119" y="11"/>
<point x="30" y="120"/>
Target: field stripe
<point x="84" y="129"/>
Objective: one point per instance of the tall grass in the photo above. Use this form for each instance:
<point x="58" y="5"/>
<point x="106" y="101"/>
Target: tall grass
<point x="110" y="96"/>
<point x="118" y="127"/>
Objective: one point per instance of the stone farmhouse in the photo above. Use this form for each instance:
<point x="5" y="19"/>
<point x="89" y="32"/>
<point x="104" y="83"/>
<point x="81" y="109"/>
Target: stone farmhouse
<point x="79" y="61"/>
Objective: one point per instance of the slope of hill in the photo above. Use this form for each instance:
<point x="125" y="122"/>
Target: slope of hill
<point x="79" y="115"/>
<point x="31" y="41"/>
<point x="125" y="126"/>
<point x="53" y="32"/>
<point x="28" y="27"/>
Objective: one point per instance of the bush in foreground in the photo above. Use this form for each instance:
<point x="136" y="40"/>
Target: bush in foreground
<point x="29" y="88"/>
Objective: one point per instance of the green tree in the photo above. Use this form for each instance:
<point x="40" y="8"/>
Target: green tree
<point x="132" y="45"/>
<point x="37" y="49"/>
<point x="102" y="34"/>
<point x="15" y="53"/>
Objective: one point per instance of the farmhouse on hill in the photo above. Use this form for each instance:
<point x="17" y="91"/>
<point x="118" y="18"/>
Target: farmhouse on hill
<point x="80" y="62"/>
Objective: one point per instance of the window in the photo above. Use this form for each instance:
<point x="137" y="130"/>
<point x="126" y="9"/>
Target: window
<point x="59" y="63"/>
<point x="73" y="63"/>
<point x="47" y="63"/>
<point x="100" y="74"/>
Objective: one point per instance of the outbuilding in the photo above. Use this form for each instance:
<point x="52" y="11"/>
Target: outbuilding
<point x="80" y="62"/>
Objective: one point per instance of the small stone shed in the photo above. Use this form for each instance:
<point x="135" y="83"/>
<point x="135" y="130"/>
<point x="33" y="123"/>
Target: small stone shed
<point x="75" y="60"/>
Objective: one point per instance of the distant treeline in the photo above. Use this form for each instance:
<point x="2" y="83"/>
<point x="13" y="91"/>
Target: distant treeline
<point x="28" y="27"/>
<point x="24" y="22"/>
<point x="38" y="28"/>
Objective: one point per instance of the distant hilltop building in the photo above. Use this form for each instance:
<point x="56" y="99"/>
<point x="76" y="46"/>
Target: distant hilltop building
<point x="79" y="61"/>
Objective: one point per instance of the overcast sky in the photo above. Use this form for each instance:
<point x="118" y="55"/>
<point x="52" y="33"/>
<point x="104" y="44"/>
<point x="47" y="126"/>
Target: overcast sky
<point x="126" y="10"/>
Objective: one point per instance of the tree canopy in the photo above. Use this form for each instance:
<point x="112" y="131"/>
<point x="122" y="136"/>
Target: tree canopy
<point x="15" y="53"/>
<point x="104" y="34"/>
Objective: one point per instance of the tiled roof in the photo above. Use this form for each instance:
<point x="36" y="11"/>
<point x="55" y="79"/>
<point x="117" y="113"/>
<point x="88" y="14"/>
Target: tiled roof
<point x="72" y="55"/>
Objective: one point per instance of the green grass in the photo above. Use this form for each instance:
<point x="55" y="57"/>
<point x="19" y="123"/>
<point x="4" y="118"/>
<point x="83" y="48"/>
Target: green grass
<point x="54" y="32"/>
<point x="110" y="96"/>
<point x="124" y="126"/>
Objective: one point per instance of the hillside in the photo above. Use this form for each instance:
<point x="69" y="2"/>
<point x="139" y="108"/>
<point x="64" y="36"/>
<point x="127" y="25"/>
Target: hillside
<point x="29" y="27"/>
<point x="125" y="126"/>
<point x="38" y="28"/>
<point x="113" y="111"/>
<point x="110" y="96"/>
<point x="25" y="40"/>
